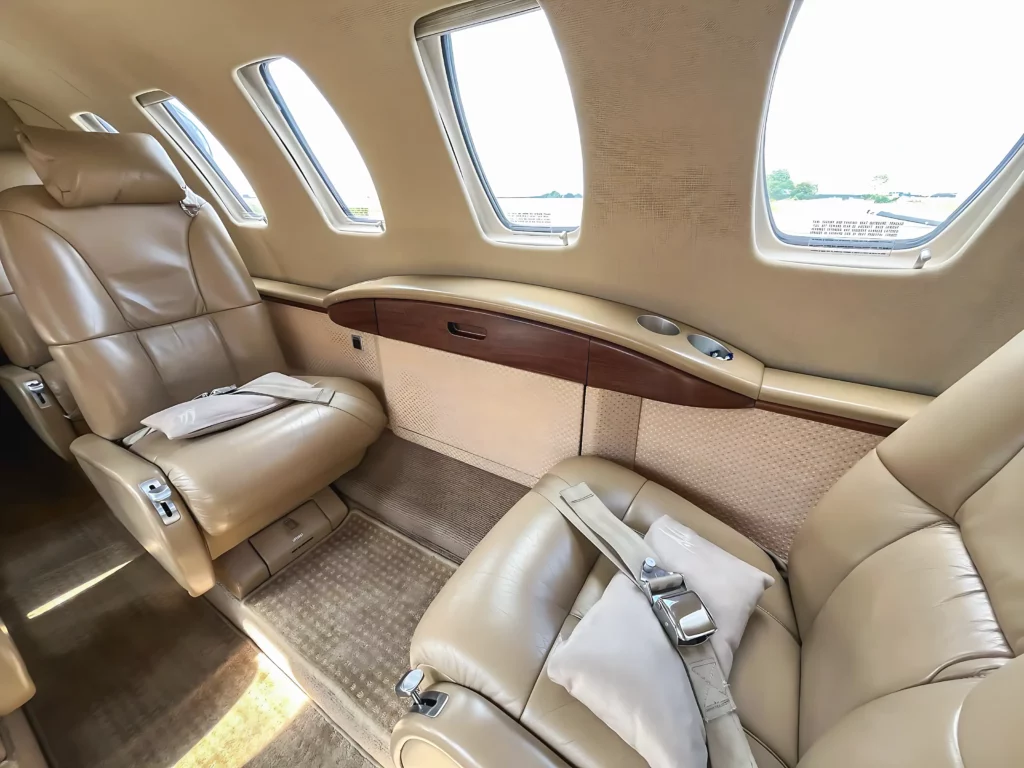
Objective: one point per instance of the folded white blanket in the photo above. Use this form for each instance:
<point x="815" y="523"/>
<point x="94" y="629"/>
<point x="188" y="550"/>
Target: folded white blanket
<point x="620" y="664"/>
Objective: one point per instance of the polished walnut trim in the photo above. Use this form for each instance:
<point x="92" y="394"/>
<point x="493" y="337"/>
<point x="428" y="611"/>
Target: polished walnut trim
<point x="485" y="336"/>
<point x="299" y="304"/>
<point x="622" y="370"/>
<point x="358" y="314"/>
<point x="827" y="418"/>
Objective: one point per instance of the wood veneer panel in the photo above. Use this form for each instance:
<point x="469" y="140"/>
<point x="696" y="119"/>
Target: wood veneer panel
<point x="622" y="370"/>
<point x="358" y="314"/>
<point x="827" y="418"/>
<point x="485" y="336"/>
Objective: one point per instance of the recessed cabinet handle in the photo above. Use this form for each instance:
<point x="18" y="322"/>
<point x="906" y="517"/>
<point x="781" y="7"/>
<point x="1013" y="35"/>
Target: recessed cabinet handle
<point x="474" y="332"/>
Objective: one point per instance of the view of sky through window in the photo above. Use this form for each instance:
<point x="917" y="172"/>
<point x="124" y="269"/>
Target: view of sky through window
<point x="216" y="155"/>
<point x="886" y="115"/>
<point x="520" y="118"/>
<point x="328" y="142"/>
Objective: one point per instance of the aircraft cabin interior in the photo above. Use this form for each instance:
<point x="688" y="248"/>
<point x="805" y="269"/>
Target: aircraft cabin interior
<point x="511" y="384"/>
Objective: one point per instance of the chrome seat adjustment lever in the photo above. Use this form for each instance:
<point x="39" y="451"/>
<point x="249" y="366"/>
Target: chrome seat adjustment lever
<point x="428" y="704"/>
<point x="408" y="686"/>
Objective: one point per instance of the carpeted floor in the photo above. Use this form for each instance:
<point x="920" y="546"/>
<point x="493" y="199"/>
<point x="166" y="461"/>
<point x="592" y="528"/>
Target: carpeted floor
<point x="130" y="670"/>
<point x="349" y="608"/>
<point x="438" y="501"/>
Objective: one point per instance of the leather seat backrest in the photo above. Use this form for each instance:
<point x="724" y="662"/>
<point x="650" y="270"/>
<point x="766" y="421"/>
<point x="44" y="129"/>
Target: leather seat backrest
<point x="18" y="339"/>
<point x="909" y="570"/>
<point x="142" y="304"/>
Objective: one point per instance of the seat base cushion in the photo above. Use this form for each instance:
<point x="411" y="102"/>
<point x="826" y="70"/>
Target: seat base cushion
<point x="534" y="576"/>
<point x="237" y="481"/>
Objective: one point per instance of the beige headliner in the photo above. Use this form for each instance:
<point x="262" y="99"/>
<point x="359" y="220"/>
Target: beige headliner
<point x="670" y="97"/>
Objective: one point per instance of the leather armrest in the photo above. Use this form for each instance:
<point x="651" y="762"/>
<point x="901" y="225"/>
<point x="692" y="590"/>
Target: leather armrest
<point x="47" y="421"/>
<point x="58" y="384"/>
<point x="16" y="687"/>
<point x="117" y="474"/>
<point x="469" y="732"/>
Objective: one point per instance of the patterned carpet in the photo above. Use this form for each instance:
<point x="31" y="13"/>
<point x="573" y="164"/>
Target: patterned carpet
<point x="442" y="503"/>
<point x="130" y="670"/>
<point x="350" y="607"/>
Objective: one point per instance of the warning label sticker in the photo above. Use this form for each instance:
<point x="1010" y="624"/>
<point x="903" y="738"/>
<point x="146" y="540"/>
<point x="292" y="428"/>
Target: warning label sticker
<point x="874" y="229"/>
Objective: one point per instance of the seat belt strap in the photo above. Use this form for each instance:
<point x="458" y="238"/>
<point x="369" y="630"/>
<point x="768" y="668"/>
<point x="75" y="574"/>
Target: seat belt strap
<point x="339" y="401"/>
<point x="727" y="742"/>
<point x="282" y="389"/>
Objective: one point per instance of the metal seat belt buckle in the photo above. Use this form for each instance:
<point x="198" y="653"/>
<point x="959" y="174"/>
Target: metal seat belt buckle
<point x="684" y="617"/>
<point x="680" y="611"/>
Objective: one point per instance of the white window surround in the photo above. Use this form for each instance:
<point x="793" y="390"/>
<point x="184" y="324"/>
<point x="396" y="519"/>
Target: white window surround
<point x="90" y="121"/>
<point x="153" y="106"/>
<point x="946" y="243"/>
<point x="429" y="32"/>
<point x="252" y="82"/>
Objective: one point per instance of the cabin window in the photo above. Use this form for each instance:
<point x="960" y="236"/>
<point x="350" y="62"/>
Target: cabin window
<point x="505" y="102"/>
<point x="217" y="157"/>
<point x="888" y="118"/>
<point x="90" y="121"/>
<point x="317" y="141"/>
<point x="207" y="154"/>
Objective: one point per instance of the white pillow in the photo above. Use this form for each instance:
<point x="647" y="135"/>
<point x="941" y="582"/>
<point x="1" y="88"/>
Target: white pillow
<point x="729" y="587"/>
<point x="620" y="664"/>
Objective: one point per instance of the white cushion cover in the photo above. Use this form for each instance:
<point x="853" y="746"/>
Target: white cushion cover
<point x="620" y="664"/>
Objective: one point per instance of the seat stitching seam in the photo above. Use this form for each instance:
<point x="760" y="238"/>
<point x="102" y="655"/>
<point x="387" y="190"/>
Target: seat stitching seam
<point x="771" y="615"/>
<point x="910" y="490"/>
<point x="981" y="487"/>
<point x="84" y="261"/>
<point x="152" y="362"/>
<point x="979" y="656"/>
<point x="934" y="524"/>
<point x="210" y="316"/>
<point x="767" y="749"/>
<point x="160" y="325"/>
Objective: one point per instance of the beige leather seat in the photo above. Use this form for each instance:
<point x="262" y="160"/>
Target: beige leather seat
<point x="32" y="381"/>
<point x="16" y="686"/>
<point x="895" y="641"/>
<point x="144" y="304"/>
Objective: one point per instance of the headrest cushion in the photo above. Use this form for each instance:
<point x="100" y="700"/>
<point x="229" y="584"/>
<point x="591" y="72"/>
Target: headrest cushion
<point x="81" y="169"/>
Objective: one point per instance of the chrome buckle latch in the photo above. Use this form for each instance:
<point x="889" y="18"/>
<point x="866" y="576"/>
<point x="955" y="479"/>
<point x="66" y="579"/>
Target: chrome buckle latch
<point x="680" y="611"/>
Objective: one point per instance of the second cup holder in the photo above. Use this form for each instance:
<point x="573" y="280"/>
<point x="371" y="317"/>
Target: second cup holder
<point x="709" y="347"/>
<point x="656" y="324"/>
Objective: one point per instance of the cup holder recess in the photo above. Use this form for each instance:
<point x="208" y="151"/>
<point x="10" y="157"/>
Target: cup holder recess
<point x="659" y="325"/>
<point x="708" y="346"/>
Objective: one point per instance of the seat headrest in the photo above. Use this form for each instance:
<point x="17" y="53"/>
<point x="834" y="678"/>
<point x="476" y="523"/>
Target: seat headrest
<point x="80" y="169"/>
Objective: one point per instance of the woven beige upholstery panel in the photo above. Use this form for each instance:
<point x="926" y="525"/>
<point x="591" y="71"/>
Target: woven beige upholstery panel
<point x="758" y="471"/>
<point x="313" y="345"/>
<point x="467" y="458"/>
<point x="520" y="420"/>
<point x="610" y="424"/>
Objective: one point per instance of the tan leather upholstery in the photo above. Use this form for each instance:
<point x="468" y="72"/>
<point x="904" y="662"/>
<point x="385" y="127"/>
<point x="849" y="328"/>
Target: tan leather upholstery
<point x="143" y="306"/>
<point x="166" y="304"/>
<point x="16" y="686"/>
<point x="117" y="474"/>
<point x="482" y="737"/>
<point x="57" y="383"/>
<point x="49" y="421"/>
<point x="218" y="474"/>
<point x="895" y="643"/>
<point x="532" y="577"/>
<point x="23" y="347"/>
<point x="84" y="169"/>
<point x="18" y="338"/>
